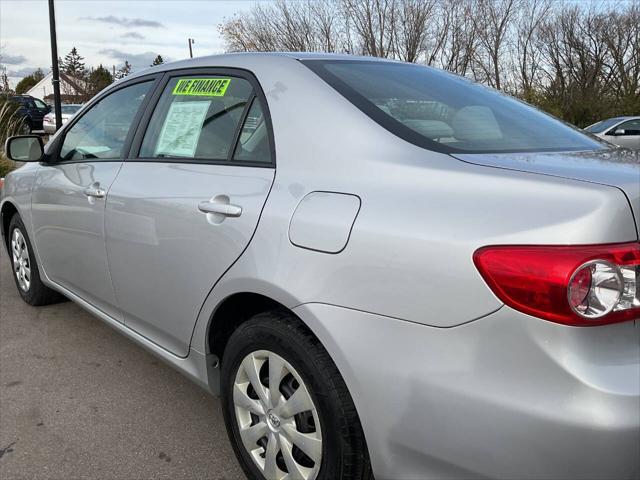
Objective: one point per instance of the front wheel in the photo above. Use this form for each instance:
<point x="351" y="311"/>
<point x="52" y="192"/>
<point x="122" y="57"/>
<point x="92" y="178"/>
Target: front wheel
<point x="287" y="410"/>
<point x="25" y="267"/>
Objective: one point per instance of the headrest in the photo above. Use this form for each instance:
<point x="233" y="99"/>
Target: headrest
<point x="475" y="123"/>
<point x="430" y="128"/>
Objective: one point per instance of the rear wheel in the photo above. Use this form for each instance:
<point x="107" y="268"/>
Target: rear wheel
<point x="26" y="127"/>
<point x="288" y="412"/>
<point x="25" y="267"/>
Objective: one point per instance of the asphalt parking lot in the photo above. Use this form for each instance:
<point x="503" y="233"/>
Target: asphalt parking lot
<point x="79" y="401"/>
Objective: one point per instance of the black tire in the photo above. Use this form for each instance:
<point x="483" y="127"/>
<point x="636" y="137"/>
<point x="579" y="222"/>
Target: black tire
<point x="26" y="128"/>
<point x="37" y="293"/>
<point x="344" y="450"/>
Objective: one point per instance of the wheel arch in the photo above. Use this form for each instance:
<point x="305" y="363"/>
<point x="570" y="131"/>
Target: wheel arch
<point x="236" y="309"/>
<point x="8" y="210"/>
<point x="239" y="307"/>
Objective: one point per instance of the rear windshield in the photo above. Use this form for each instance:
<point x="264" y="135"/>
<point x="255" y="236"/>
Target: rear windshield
<point x="445" y="112"/>
<point x="603" y="125"/>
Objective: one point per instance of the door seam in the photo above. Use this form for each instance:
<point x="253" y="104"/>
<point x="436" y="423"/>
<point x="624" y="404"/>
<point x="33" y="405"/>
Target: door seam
<point x="106" y="250"/>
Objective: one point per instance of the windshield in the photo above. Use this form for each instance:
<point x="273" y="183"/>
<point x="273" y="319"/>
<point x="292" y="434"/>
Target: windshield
<point x="447" y="113"/>
<point x="603" y="125"/>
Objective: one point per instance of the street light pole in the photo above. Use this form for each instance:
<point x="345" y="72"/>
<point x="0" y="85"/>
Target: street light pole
<point x="191" y="42"/>
<point x="54" y="66"/>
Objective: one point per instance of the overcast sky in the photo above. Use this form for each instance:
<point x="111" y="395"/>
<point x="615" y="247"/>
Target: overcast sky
<point x="110" y="32"/>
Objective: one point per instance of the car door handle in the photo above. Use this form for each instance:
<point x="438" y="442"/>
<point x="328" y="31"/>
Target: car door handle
<point x="226" y="209"/>
<point x="94" y="191"/>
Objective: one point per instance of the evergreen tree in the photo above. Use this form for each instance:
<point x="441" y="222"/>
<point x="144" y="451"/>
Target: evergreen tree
<point x="124" y="70"/>
<point x="157" y="61"/>
<point x="29" y="81"/>
<point x="73" y="64"/>
<point x="98" y="79"/>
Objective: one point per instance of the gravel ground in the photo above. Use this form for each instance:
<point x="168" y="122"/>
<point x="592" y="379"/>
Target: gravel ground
<point x="80" y="401"/>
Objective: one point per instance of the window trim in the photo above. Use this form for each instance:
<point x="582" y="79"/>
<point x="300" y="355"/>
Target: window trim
<point x="53" y="158"/>
<point x="258" y="93"/>
<point x="238" y="133"/>
<point x="236" y="144"/>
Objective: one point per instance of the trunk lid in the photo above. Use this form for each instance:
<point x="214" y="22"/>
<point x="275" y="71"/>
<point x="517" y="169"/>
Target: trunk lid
<point x="615" y="167"/>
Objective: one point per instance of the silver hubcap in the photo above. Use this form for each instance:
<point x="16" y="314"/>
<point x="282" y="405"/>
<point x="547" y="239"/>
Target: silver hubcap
<point x="21" y="262"/>
<point x="277" y="419"/>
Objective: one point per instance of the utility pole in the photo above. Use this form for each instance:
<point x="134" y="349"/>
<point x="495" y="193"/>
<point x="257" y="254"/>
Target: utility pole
<point x="191" y="42"/>
<point x="54" y="66"/>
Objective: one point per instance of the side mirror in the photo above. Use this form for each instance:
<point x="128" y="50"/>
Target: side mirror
<point x="25" y="148"/>
<point x="619" y="132"/>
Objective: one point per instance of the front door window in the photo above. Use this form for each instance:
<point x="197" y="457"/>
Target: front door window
<point x="102" y="131"/>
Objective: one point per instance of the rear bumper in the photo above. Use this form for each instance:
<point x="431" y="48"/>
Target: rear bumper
<point x="506" y="396"/>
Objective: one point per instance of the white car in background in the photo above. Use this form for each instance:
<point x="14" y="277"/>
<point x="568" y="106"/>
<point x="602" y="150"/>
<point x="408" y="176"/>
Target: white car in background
<point x="49" y="120"/>
<point x="621" y="131"/>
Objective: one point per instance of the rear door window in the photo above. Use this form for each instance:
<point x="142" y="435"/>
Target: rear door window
<point x="39" y="103"/>
<point x="197" y="118"/>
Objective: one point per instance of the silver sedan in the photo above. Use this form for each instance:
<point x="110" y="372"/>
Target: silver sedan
<point x="67" y="111"/>
<point x="383" y="269"/>
<point x="621" y="131"/>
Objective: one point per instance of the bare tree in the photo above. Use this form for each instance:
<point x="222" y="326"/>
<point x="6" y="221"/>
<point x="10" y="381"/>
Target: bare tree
<point x="621" y="35"/>
<point x="460" y="34"/>
<point x="412" y="28"/>
<point x="329" y="28"/>
<point x="250" y="31"/>
<point x="374" y="23"/>
<point x="577" y="78"/>
<point x="578" y="60"/>
<point x="293" y="26"/>
<point x="311" y="25"/>
<point x="493" y="19"/>
<point x="528" y="55"/>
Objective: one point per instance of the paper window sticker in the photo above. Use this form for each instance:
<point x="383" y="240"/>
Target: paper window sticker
<point x="182" y="128"/>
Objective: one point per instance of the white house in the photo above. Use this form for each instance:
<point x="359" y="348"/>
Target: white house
<point x="70" y="88"/>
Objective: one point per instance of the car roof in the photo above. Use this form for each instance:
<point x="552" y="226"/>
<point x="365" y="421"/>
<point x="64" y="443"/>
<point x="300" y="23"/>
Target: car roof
<point x="248" y="59"/>
<point x="630" y="117"/>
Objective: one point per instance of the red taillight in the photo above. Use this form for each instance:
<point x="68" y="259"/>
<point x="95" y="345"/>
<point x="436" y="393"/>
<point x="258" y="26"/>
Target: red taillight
<point x="581" y="285"/>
